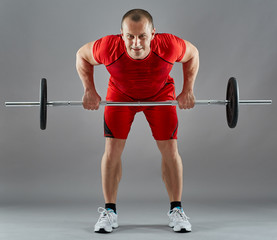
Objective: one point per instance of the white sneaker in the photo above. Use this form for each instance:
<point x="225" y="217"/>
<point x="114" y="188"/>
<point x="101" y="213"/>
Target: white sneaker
<point x="178" y="220"/>
<point x="106" y="222"/>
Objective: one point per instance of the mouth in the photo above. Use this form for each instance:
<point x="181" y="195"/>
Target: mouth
<point x="136" y="49"/>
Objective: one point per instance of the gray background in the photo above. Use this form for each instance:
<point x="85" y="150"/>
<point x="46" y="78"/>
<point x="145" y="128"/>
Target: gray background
<point x="62" y="164"/>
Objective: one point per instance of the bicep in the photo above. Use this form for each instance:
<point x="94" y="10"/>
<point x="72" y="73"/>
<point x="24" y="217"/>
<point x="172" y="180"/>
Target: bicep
<point x="86" y="52"/>
<point x="191" y="51"/>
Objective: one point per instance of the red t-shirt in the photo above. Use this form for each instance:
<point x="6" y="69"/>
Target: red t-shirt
<point x="139" y="79"/>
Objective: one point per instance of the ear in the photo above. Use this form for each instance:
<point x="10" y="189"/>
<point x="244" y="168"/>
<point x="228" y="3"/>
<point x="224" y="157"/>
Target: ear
<point x="121" y="32"/>
<point x="153" y="33"/>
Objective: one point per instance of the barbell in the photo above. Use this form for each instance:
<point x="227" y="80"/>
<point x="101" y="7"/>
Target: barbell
<point x="232" y="103"/>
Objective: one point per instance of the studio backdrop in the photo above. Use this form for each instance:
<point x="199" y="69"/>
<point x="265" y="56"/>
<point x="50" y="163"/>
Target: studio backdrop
<point x="39" y="39"/>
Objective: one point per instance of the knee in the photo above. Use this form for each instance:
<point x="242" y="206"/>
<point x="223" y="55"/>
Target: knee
<point x="169" y="150"/>
<point x="113" y="152"/>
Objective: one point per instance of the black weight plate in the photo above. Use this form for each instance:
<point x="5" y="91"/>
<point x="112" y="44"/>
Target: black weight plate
<point x="232" y="108"/>
<point x="43" y="103"/>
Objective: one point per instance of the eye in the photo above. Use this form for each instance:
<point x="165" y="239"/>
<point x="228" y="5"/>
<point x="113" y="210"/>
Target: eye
<point x="130" y="36"/>
<point x="143" y="36"/>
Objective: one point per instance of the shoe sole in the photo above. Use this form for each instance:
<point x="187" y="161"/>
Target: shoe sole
<point x="183" y="230"/>
<point x="102" y="230"/>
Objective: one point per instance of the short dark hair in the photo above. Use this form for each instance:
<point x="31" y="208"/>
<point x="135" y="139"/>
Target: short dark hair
<point x="136" y="15"/>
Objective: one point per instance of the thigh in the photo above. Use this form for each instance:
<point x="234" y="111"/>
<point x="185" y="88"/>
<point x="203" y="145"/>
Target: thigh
<point x="118" y="121"/>
<point x="163" y="122"/>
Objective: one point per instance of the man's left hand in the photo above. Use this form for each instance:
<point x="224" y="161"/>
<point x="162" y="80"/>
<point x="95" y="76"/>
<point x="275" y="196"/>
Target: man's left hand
<point x="186" y="100"/>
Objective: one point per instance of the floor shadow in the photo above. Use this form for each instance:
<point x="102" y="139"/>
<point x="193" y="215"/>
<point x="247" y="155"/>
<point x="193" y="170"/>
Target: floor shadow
<point x="143" y="228"/>
<point x="138" y="228"/>
<point x="163" y="228"/>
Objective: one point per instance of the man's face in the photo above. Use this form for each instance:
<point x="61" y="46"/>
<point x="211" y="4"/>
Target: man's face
<point x="137" y="37"/>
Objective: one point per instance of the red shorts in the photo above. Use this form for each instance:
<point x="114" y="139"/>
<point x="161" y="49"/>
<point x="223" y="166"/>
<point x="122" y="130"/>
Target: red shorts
<point x="163" y="120"/>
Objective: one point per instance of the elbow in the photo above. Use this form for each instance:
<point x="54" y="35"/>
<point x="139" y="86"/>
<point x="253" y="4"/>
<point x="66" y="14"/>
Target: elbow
<point x="195" y="52"/>
<point x="78" y="54"/>
<point x="195" y="57"/>
<point x="81" y="63"/>
<point x="78" y="60"/>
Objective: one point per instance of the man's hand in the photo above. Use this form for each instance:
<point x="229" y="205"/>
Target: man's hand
<point x="186" y="100"/>
<point x="91" y="100"/>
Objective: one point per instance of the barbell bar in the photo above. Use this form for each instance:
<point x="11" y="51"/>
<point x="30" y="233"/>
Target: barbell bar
<point x="134" y="104"/>
<point x="232" y="103"/>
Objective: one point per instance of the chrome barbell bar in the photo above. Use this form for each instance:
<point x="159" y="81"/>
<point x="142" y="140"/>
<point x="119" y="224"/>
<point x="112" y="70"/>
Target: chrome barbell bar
<point x="108" y="103"/>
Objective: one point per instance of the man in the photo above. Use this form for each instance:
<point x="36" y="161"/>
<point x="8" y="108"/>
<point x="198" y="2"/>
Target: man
<point x="139" y="62"/>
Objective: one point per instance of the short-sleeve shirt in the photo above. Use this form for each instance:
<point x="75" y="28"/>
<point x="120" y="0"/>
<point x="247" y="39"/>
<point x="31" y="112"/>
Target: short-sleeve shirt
<point x="139" y="79"/>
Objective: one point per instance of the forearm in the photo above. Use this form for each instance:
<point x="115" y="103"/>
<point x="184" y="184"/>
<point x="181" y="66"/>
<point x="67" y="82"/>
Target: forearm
<point x="190" y="70"/>
<point x="85" y="71"/>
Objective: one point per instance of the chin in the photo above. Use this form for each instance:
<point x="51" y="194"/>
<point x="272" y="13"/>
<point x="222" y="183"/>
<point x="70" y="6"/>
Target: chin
<point x="138" y="56"/>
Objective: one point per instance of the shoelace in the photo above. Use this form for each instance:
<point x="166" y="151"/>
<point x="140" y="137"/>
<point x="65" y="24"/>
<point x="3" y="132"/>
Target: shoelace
<point x="178" y="213"/>
<point x="105" y="214"/>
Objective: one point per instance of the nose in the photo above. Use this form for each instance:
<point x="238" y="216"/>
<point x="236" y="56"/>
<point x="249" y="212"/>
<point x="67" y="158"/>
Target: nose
<point x="136" y="41"/>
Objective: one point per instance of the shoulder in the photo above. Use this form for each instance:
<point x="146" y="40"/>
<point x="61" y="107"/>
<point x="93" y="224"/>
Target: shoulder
<point x="108" y="43"/>
<point x="169" y="47"/>
<point x="108" y="48"/>
<point x="167" y="40"/>
<point x="110" y="39"/>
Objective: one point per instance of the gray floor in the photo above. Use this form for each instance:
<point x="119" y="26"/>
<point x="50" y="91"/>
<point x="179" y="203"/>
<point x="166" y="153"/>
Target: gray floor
<point x="210" y="220"/>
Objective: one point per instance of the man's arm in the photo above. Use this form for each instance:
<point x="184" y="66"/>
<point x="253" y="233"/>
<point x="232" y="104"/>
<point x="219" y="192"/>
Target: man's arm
<point x="190" y="62"/>
<point x="85" y="63"/>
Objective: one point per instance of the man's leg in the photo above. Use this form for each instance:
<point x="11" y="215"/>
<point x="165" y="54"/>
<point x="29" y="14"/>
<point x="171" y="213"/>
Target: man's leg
<point x="111" y="175"/>
<point x="172" y="168"/>
<point x="111" y="168"/>
<point x="172" y="173"/>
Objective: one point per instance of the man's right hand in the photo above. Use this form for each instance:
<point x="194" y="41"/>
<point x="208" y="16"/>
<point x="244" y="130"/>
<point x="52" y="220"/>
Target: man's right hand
<point x="91" y="100"/>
